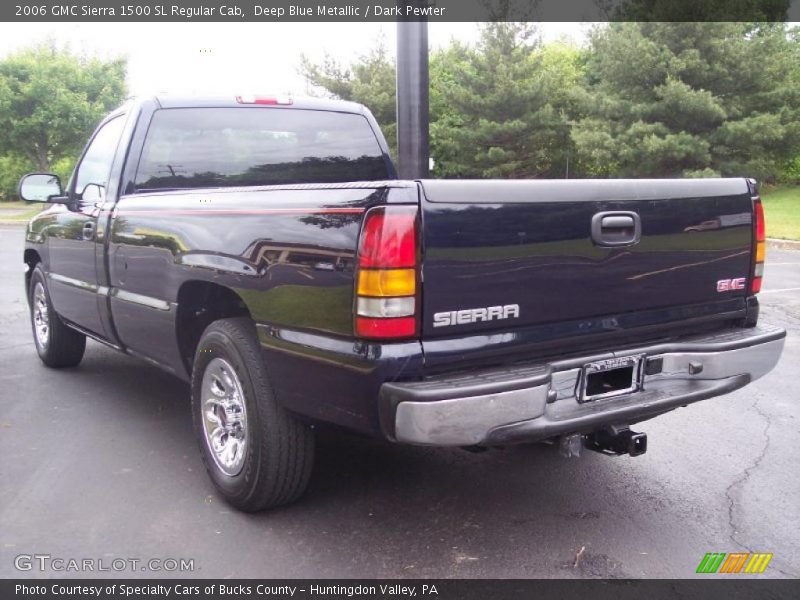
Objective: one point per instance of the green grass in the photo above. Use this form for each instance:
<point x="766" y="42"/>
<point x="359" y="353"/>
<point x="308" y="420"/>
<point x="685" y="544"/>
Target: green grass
<point x="782" y="211"/>
<point x="27" y="211"/>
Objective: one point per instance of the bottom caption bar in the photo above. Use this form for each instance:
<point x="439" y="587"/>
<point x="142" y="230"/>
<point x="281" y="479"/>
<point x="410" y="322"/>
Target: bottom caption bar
<point x="445" y="589"/>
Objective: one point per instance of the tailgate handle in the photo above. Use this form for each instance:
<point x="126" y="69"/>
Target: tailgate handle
<point x="616" y="228"/>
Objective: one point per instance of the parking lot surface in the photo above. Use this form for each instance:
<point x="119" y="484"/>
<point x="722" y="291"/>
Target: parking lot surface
<point x="100" y="462"/>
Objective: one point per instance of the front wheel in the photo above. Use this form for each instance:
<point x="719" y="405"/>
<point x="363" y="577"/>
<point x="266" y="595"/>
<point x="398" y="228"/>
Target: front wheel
<point x="57" y="345"/>
<point x="258" y="454"/>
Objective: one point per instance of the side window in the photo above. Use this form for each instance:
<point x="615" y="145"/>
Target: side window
<point x="96" y="164"/>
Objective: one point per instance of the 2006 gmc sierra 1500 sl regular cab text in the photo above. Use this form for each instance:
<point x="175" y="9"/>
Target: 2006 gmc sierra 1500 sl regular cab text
<point x="263" y="250"/>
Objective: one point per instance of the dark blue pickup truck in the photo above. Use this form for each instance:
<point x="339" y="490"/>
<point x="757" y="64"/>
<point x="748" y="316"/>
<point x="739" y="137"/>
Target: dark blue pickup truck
<point x="262" y="249"/>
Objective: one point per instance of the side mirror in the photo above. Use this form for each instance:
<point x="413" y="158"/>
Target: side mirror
<point x="41" y="187"/>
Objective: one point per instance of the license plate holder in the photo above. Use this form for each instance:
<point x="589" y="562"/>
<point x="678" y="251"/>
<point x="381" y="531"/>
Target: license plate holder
<point x="609" y="378"/>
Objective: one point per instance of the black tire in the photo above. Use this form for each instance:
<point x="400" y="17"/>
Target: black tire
<point x="278" y="450"/>
<point x="60" y="346"/>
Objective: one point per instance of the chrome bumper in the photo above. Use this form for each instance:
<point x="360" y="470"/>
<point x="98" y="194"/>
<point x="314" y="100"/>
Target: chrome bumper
<point x="531" y="403"/>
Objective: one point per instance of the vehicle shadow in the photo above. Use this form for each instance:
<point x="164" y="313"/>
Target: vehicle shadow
<point x="346" y="464"/>
<point x="398" y="510"/>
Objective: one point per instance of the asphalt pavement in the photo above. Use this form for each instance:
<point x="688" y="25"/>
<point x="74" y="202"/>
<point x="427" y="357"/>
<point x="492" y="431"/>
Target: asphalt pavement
<point x="100" y="463"/>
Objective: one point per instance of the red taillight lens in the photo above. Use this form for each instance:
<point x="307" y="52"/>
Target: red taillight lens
<point x="761" y="232"/>
<point x="386" y="284"/>
<point x="385" y="328"/>
<point x="759" y="252"/>
<point x="389" y="238"/>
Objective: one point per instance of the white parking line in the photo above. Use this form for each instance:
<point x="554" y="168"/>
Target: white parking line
<point x="782" y="264"/>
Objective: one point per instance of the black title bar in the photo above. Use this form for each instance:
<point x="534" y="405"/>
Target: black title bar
<point x="276" y="11"/>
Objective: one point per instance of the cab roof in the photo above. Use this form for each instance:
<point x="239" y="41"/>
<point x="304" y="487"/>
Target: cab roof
<point x="170" y="101"/>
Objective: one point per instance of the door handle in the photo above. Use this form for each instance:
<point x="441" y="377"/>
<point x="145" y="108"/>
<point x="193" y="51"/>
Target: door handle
<point x="617" y="222"/>
<point x="616" y="228"/>
<point x="88" y="230"/>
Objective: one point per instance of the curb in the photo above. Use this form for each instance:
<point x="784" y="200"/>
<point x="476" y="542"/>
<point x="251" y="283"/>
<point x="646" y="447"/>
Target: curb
<point x="783" y="244"/>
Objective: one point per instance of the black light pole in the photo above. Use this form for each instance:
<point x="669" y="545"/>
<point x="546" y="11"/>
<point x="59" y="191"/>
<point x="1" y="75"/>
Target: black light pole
<point x="412" y="97"/>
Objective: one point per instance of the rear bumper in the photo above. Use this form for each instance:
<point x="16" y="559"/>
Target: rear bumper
<point x="537" y="402"/>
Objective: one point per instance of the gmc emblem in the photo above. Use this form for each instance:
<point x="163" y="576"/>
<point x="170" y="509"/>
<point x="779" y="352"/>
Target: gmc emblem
<point x="729" y="285"/>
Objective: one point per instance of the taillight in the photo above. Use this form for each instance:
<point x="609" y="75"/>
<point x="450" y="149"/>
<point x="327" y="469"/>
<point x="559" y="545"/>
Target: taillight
<point x="386" y="282"/>
<point x="761" y="245"/>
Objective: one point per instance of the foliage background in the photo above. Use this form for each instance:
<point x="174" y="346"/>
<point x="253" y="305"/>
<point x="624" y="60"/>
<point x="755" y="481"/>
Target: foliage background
<point x="50" y="102"/>
<point x="638" y="100"/>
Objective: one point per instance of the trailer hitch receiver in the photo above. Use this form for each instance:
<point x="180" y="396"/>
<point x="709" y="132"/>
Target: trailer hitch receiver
<point x="617" y="440"/>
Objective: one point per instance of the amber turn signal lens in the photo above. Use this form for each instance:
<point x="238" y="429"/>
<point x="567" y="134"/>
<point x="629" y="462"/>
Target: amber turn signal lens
<point x="761" y="251"/>
<point x="386" y="282"/>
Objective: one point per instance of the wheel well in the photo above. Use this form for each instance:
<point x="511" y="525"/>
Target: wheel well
<point x="200" y="303"/>
<point x="31" y="258"/>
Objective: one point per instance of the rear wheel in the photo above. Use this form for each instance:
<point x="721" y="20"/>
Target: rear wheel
<point x="258" y="454"/>
<point x="57" y="345"/>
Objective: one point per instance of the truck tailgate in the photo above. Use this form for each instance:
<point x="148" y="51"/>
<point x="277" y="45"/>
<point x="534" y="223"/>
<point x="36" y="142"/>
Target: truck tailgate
<point x="546" y="252"/>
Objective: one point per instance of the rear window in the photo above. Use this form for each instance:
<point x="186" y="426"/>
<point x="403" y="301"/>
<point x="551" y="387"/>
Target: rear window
<point x="224" y="147"/>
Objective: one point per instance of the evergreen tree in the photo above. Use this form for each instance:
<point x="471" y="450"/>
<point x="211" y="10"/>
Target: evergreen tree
<point x="501" y="109"/>
<point x="672" y="99"/>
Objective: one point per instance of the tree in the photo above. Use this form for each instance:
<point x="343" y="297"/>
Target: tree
<point x="11" y="168"/>
<point x="672" y="99"/>
<point x="51" y="101"/>
<point x="14" y="166"/>
<point x="792" y="173"/>
<point x="369" y="81"/>
<point x="502" y="109"/>
<point x="508" y="101"/>
<point x="645" y="99"/>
